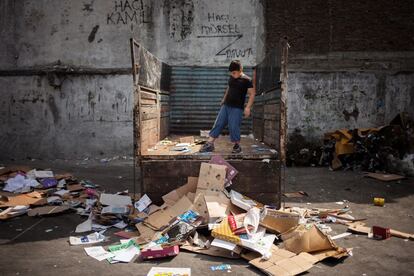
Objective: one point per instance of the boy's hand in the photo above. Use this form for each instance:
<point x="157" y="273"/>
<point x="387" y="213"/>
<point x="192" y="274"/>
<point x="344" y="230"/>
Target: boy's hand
<point x="247" y="112"/>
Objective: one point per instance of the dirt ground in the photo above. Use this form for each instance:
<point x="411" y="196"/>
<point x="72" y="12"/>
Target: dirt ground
<point x="39" y="246"/>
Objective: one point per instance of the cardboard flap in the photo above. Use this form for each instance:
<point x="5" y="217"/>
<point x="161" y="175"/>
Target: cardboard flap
<point x="279" y="221"/>
<point x="307" y="238"/>
<point x="211" y="179"/>
<point x="162" y="217"/>
<point x="175" y="195"/>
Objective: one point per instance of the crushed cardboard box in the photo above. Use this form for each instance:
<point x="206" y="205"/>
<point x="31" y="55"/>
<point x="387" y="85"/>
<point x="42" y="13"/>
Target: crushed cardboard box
<point x="278" y="221"/>
<point x="173" y="196"/>
<point x="307" y="238"/>
<point x="162" y="217"/>
<point x="283" y="262"/>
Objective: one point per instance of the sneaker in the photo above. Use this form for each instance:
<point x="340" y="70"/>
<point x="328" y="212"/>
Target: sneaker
<point x="236" y="148"/>
<point x="207" y="147"/>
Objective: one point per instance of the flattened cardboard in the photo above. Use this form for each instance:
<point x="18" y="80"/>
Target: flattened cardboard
<point x="22" y="199"/>
<point x="161" y="218"/>
<point x="212" y="251"/>
<point x="284" y="262"/>
<point x="47" y="210"/>
<point x="231" y="172"/>
<point x="211" y="179"/>
<point x="200" y="207"/>
<point x="217" y="206"/>
<point x="363" y="229"/>
<point x="307" y="238"/>
<point x="385" y="177"/>
<point x="173" y="196"/>
<point x="279" y="221"/>
<point x="333" y="253"/>
<point x="145" y="233"/>
<point x="75" y="187"/>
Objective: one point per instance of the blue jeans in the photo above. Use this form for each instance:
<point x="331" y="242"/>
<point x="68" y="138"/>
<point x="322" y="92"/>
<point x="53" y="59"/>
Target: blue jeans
<point x="231" y="116"/>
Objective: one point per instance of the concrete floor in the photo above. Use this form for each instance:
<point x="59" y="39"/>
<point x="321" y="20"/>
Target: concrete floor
<point x="27" y="249"/>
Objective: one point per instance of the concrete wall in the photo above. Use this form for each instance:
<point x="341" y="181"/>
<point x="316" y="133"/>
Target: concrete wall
<point x="351" y="62"/>
<point x="47" y="113"/>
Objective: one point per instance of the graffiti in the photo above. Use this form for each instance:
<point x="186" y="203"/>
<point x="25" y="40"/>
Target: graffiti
<point x="129" y="11"/>
<point x="219" y="26"/>
<point x="181" y="16"/>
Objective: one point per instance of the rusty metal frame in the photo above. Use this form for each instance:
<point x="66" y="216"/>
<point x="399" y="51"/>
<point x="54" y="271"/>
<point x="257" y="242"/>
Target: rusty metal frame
<point x="284" y="45"/>
<point x="136" y="112"/>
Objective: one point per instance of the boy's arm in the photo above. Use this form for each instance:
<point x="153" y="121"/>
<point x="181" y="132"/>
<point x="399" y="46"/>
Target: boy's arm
<point x="247" y="109"/>
<point x="225" y="95"/>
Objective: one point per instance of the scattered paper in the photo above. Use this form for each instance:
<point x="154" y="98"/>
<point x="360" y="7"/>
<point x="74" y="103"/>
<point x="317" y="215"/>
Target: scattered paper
<point x="89" y="239"/>
<point x="223" y="244"/>
<point x="123" y="252"/>
<point x="19" y="184"/>
<point x="142" y="203"/>
<point x="98" y="253"/>
<point x="43" y="174"/>
<point x="341" y="236"/>
<point x="85" y="226"/>
<point x="115" y="210"/>
<point x="118" y="200"/>
<point x="61" y="192"/>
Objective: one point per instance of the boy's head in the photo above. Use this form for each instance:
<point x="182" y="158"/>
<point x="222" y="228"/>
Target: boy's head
<point x="235" y="69"/>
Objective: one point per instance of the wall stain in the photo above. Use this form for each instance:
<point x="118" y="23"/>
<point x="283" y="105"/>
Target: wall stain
<point x="354" y="113"/>
<point x="53" y="109"/>
<point x="91" y="36"/>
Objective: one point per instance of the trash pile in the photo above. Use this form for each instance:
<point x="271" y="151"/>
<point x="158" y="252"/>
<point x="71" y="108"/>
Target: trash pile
<point x="384" y="149"/>
<point x="40" y="192"/>
<point x="204" y="216"/>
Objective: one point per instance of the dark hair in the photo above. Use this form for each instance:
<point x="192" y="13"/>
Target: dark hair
<point x="235" y="65"/>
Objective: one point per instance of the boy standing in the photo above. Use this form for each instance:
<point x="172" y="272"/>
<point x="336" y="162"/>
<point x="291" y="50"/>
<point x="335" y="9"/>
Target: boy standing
<point x="231" y="111"/>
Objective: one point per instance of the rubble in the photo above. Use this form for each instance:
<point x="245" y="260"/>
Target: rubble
<point x="204" y="216"/>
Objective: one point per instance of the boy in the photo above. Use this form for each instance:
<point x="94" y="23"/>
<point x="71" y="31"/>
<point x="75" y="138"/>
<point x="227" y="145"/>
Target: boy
<point x="232" y="105"/>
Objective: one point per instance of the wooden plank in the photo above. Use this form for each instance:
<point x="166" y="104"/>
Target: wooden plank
<point x="148" y="96"/>
<point x="148" y="102"/>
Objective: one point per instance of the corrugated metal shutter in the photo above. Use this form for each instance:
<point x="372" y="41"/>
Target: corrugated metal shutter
<point x="195" y="98"/>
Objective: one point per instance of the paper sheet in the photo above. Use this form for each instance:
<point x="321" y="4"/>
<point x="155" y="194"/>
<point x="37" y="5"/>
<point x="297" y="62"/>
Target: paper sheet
<point x="98" y="253"/>
<point x="143" y="203"/>
<point x="92" y="238"/>
<point x="119" y="200"/>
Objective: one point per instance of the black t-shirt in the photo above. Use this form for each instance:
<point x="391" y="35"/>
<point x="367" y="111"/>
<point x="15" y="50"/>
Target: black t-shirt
<point x="236" y="95"/>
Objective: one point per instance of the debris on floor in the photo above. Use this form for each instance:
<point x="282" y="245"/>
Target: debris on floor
<point x="386" y="152"/>
<point x="383" y="149"/>
<point x="204" y="216"/>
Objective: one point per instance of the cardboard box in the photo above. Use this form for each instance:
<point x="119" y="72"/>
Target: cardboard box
<point x="381" y="233"/>
<point x="160" y="253"/>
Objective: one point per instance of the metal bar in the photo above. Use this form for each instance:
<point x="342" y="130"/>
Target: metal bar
<point x="283" y="115"/>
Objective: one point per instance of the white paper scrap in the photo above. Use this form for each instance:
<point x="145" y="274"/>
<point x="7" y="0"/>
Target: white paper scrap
<point x="98" y="253"/>
<point x="143" y="203"/>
